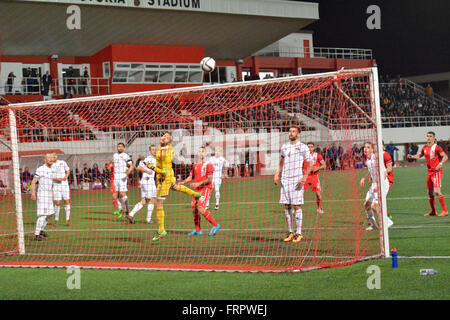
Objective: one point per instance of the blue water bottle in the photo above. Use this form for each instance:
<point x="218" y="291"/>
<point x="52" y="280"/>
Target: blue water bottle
<point x="394" y="258"/>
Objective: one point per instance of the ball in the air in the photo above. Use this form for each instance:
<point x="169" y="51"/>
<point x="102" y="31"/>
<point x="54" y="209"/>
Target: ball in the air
<point x="208" y="64"/>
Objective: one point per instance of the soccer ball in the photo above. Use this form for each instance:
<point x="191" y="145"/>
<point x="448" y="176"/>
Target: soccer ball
<point x="208" y="64"/>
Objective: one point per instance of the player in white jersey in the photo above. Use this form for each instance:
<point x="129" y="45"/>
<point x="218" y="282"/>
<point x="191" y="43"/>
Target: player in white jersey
<point x="122" y="167"/>
<point x="44" y="196"/>
<point x="290" y="170"/>
<point x="61" y="190"/>
<point x="219" y="163"/>
<point x="148" y="186"/>
<point x="371" y="202"/>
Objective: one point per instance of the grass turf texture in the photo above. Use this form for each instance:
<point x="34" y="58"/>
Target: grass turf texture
<point x="412" y="235"/>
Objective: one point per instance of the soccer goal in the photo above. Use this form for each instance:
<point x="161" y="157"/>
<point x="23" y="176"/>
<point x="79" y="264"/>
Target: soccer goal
<point x="242" y="128"/>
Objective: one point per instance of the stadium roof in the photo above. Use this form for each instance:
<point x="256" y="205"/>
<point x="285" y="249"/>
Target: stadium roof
<point x="227" y="29"/>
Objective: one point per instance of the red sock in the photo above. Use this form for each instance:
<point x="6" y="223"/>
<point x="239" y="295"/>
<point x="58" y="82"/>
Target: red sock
<point x="197" y="221"/>
<point x="319" y="203"/>
<point x="442" y="202"/>
<point x="210" y="218"/>
<point x="432" y="204"/>
<point x="115" y="204"/>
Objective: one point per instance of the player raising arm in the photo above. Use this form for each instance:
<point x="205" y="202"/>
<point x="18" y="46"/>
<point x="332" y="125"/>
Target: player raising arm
<point x="44" y="196"/>
<point x="165" y="180"/>
<point x="290" y="170"/>
<point x="202" y="174"/>
<point x="435" y="157"/>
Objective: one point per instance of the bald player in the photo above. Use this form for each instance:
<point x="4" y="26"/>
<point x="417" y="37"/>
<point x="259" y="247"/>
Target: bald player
<point x="165" y="180"/>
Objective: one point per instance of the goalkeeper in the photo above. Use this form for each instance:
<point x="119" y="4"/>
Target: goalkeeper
<point x="165" y="180"/>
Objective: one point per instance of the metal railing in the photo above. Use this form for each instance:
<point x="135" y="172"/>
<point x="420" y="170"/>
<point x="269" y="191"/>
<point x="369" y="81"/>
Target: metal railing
<point x="318" y="52"/>
<point x="80" y="86"/>
<point x="391" y="122"/>
<point x="59" y="87"/>
<point x="420" y="121"/>
<point x="25" y="85"/>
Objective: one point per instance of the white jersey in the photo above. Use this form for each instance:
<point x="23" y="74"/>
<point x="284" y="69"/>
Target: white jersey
<point x="120" y="162"/>
<point x="59" y="169"/>
<point x="145" y="176"/>
<point x="45" y="175"/>
<point x="371" y="165"/>
<point x="294" y="155"/>
<point x="219" y="164"/>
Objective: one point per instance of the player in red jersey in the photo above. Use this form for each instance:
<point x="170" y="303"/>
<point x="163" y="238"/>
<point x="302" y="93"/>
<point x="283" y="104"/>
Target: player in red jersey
<point x="202" y="173"/>
<point x="313" y="177"/>
<point x="110" y="167"/>
<point x="389" y="173"/>
<point x="435" y="157"/>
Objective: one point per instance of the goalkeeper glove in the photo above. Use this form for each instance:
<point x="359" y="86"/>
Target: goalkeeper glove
<point x="164" y="171"/>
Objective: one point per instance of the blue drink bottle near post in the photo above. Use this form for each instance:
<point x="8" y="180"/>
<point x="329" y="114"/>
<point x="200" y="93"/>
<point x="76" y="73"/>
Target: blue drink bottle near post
<point x="394" y="258"/>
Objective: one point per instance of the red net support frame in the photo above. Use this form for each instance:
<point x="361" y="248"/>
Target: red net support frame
<point x="234" y="135"/>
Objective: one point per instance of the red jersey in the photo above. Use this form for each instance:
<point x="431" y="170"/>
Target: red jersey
<point x="433" y="154"/>
<point x="200" y="172"/>
<point x="317" y="158"/>
<point x="111" y="170"/>
<point x="388" y="160"/>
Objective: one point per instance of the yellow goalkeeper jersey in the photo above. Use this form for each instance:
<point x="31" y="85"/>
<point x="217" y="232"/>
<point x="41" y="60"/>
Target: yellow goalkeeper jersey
<point x="164" y="157"/>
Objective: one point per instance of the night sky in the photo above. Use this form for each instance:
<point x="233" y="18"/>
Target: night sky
<point x="414" y="38"/>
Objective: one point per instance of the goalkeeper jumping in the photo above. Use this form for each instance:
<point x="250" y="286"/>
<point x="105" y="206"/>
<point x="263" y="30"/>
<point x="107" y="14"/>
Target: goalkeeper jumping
<point x="165" y="180"/>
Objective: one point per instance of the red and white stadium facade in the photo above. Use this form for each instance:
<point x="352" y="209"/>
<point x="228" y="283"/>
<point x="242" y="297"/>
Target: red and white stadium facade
<point x="122" y="44"/>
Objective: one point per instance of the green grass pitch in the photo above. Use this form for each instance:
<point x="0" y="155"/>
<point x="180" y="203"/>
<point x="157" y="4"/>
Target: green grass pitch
<point x="422" y="242"/>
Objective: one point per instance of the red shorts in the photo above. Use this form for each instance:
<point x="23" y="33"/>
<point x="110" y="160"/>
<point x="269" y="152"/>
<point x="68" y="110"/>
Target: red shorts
<point x="434" y="179"/>
<point x="204" y="199"/>
<point x="314" y="182"/>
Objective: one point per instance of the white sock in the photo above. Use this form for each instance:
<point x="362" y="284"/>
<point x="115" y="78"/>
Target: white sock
<point x="287" y="213"/>
<point x="40" y="224"/>
<point x="299" y="220"/>
<point x="136" y="208"/>
<point x="125" y="203"/>
<point x="45" y="222"/>
<point x="57" y="212"/>
<point x="371" y="218"/>
<point x="150" y="211"/>
<point x="217" y="198"/>
<point x="67" y="208"/>
<point x="119" y="204"/>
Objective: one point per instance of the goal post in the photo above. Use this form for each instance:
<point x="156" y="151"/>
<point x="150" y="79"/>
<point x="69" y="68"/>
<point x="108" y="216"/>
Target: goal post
<point x="375" y="91"/>
<point x="245" y="124"/>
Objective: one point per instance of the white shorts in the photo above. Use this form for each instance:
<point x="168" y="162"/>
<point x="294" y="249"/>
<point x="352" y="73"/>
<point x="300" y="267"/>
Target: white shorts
<point x="289" y="193"/>
<point x="61" y="192"/>
<point x="372" y="196"/>
<point x="148" y="189"/>
<point x="120" y="185"/>
<point x="216" y="183"/>
<point x="45" y="204"/>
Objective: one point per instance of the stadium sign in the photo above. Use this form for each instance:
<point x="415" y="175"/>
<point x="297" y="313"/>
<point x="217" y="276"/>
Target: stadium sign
<point x="157" y="4"/>
<point x="281" y="9"/>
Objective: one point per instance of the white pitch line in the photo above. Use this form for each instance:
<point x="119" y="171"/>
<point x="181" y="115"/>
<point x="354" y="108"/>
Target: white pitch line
<point x="222" y="230"/>
<point x="225" y="256"/>
<point x="424" y="257"/>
